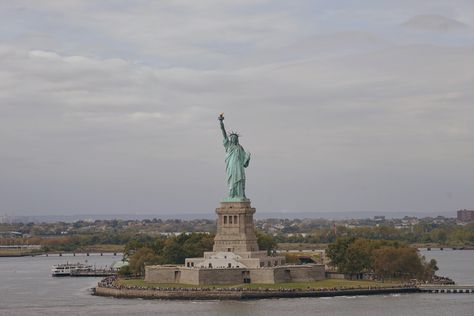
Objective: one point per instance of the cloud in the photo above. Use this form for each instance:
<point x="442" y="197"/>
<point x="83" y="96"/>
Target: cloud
<point x="117" y="109"/>
<point x="434" y="23"/>
<point x="43" y="54"/>
<point x="145" y="116"/>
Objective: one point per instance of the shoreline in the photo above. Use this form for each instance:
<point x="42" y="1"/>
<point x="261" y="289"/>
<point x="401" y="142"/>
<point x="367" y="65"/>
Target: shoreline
<point x="240" y="293"/>
<point x="295" y="249"/>
<point x="17" y="255"/>
<point x="60" y="254"/>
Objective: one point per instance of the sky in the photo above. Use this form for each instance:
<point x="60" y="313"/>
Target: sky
<point x="111" y="106"/>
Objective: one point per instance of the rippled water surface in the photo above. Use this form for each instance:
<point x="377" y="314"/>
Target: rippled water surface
<point x="26" y="288"/>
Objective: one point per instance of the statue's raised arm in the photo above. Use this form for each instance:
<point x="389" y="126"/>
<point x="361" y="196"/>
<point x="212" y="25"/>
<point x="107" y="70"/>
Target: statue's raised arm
<point x="221" y="120"/>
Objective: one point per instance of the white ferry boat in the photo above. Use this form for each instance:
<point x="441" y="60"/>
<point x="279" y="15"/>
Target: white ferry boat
<point x="65" y="269"/>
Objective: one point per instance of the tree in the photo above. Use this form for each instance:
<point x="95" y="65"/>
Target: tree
<point x="430" y="268"/>
<point x="358" y="256"/>
<point x="337" y="252"/>
<point x="403" y="262"/>
<point x="125" y="271"/>
<point x="266" y="242"/>
<point x="176" y="249"/>
<point x="384" y="257"/>
<point x="143" y="256"/>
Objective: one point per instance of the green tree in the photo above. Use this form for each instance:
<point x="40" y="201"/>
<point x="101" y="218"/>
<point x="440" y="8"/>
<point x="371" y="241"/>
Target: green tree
<point x="358" y="256"/>
<point x="403" y="262"/>
<point x="125" y="271"/>
<point x="386" y="258"/>
<point x="266" y="242"/>
<point x="143" y="256"/>
<point x="337" y="252"/>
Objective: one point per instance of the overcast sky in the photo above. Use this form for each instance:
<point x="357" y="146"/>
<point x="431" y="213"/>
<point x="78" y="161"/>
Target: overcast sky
<point x="111" y="106"/>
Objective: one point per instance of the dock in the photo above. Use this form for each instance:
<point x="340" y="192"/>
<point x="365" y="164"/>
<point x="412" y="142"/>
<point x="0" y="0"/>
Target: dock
<point x="93" y="273"/>
<point x="447" y="289"/>
<point x="79" y="254"/>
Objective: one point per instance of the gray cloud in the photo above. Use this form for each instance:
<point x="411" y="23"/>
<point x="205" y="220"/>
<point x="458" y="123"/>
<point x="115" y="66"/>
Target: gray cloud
<point x="434" y="23"/>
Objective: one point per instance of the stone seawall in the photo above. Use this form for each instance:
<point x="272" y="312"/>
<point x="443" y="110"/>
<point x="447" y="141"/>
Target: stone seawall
<point x="171" y="295"/>
<point x="240" y="295"/>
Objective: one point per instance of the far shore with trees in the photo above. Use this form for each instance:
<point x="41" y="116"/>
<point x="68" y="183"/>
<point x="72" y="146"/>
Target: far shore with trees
<point x="296" y="234"/>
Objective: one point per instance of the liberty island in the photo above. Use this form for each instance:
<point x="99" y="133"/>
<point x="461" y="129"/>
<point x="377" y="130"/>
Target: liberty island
<point x="236" y="260"/>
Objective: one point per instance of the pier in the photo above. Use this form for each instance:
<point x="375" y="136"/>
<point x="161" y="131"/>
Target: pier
<point x="441" y="248"/>
<point x="86" y="254"/>
<point x="448" y="289"/>
<point x="93" y="273"/>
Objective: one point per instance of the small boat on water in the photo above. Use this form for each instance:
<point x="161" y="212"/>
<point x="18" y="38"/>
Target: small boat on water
<point x="65" y="269"/>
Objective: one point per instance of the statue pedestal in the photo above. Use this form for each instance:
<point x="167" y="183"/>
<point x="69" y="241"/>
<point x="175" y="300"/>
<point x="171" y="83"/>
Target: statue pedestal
<point x="235" y="228"/>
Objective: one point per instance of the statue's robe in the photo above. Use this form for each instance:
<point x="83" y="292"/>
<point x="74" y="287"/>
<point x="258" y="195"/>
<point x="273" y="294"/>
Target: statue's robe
<point x="236" y="159"/>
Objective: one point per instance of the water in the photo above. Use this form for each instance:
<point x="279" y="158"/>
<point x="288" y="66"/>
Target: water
<point x="26" y="288"/>
<point x="455" y="264"/>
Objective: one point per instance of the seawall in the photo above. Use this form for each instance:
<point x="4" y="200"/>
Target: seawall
<point x="238" y="294"/>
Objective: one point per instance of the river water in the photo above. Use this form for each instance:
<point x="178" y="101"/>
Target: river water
<point x="26" y="288"/>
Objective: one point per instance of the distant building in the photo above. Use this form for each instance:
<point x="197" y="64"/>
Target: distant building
<point x="379" y="218"/>
<point x="5" y="219"/>
<point x="11" y="234"/>
<point x="465" y="215"/>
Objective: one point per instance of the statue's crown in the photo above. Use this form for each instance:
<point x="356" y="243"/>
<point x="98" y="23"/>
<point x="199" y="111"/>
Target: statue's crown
<point x="234" y="133"/>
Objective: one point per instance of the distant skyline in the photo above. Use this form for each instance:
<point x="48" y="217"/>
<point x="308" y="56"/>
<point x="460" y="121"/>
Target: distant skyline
<point x="212" y="216"/>
<point x="111" y="107"/>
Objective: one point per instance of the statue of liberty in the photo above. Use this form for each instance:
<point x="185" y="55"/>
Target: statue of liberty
<point x="236" y="159"/>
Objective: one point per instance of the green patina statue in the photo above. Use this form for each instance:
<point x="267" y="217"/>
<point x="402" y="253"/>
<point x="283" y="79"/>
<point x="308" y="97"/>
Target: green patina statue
<point x="236" y="159"/>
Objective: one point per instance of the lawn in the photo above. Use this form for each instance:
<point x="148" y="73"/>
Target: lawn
<point x="327" y="283"/>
